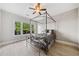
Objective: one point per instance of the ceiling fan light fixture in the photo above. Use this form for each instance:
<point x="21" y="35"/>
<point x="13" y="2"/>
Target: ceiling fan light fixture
<point x="37" y="7"/>
<point x="37" y="11"/>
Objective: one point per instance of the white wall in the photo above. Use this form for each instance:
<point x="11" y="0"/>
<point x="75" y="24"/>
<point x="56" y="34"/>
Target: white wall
<point x="67" y="26"/>
<point x="51" y="26"/>
<point x="0" y="25"/>
<point x="78" y="25"/>
<point x="7" y="23"/>
<point x="42" y="27"/>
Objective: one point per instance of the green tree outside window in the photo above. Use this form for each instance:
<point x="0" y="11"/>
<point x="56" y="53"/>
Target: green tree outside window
<point x="17" y="28"/>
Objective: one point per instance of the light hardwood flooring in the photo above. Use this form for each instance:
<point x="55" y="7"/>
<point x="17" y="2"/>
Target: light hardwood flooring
<point x="60" y="49"/>
<point x="23" y="49"/>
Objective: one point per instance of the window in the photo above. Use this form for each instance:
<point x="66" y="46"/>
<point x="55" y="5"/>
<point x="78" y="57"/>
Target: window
<point x="26" y="28"/>
<point x="17" y="28"/>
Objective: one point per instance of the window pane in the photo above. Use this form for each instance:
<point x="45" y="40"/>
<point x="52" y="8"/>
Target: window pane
<point x="17" y="28"/>
<point x="26" y="28"/>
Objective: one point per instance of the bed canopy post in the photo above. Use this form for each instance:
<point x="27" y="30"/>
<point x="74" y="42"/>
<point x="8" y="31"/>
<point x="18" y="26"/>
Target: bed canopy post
<point x="30" y="30"/>
<point x="46" y="23"/>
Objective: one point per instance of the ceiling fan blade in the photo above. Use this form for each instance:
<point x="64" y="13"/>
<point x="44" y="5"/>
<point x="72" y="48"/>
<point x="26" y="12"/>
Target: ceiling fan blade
<point x="39" y="13"/>
<point x="34" y="12"/>
<point x="43" y="9"/>
<point x="32" y="8"/>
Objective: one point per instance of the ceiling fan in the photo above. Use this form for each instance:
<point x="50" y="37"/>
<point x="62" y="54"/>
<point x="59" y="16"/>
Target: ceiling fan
<point x="38" y="8"/>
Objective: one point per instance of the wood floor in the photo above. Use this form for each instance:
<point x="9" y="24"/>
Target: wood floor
<point x="24" y="48"/>
<point x="63" y="50"/>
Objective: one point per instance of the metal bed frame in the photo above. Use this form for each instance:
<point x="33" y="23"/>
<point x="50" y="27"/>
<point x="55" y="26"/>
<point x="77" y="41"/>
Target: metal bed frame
<point x="47" y="15"/>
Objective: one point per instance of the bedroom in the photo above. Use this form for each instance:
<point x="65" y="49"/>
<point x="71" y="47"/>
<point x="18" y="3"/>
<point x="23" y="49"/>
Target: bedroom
<point x="18" y="23"/>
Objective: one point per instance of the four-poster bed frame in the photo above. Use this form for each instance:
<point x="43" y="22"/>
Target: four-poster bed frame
<point x="46" y="16"/>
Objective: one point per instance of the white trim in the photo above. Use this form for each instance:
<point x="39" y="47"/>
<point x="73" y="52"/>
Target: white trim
<point x="68" y="43"/>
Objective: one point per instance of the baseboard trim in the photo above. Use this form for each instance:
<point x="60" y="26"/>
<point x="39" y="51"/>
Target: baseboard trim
<point x="9" y="42"/>
<point x="68" y="43"/>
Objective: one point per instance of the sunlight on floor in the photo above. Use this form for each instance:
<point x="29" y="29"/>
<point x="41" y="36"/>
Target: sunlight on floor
<point x="20" y="49"/>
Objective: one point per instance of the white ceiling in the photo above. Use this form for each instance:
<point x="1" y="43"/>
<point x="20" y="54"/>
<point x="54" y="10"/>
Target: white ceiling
<point x="23" y="8"/>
